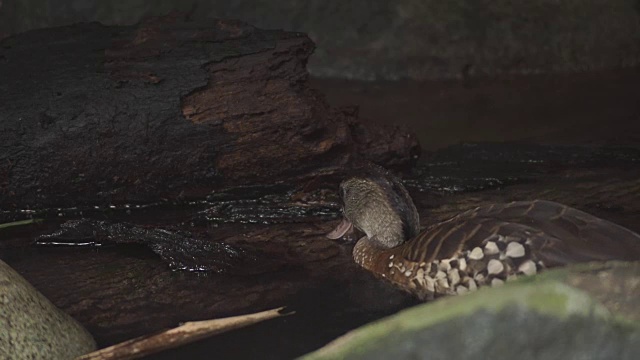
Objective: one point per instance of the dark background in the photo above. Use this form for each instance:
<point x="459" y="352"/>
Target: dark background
<point x="559" y="71"/>
<point x="405" y="39"/>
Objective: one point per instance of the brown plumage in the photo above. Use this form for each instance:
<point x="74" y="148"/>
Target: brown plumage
<point x="484" y="246"/>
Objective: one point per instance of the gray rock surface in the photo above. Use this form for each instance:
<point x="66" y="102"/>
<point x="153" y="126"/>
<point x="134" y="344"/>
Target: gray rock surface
<point x="588" y="311"/>
<point x="416" y="39"/>
<point x="31" y="327"/>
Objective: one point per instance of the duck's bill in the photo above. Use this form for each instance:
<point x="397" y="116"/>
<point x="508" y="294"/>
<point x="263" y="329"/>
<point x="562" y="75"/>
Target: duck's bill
<point x="344" y="227"/>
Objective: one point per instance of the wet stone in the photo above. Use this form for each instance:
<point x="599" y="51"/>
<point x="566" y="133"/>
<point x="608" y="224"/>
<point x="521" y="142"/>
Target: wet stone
<point x="32" y="327"/>
<point x="592" y="307"/>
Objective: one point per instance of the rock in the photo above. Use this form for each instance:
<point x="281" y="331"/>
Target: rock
<point x="31" y="327"/>
<point x="593" y="307"/>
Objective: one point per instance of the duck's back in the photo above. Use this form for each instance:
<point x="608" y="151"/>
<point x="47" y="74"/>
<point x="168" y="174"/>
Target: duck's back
<point x="551" y="233"/>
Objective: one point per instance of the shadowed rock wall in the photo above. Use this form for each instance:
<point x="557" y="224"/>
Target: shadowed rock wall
<point x="416" y="39"/>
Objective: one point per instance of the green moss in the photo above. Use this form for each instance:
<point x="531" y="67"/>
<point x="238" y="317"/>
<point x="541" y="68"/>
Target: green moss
<point x="545" y="294"/>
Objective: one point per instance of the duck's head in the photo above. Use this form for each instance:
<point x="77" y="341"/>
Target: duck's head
<point x="376" y="203"/>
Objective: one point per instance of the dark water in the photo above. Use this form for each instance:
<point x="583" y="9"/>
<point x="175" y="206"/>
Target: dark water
<point x="122" y="291"/>
<point x="475" y="167"/>
<point x="263" y="247"/>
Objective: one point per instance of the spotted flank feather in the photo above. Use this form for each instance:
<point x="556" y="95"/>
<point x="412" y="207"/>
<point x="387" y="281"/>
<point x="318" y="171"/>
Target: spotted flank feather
<point x="494" y="261"/>
<point x="491" y="245"/>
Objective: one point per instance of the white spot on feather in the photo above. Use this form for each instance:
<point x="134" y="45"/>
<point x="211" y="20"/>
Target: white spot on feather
<point x="491" y="248"/>
<point x="454" y="277"/>
<point x="462" y="264"/>
<point x="528" y="268"/>
<point x="476" y="254"/>
<point x="515" y="250"/>
<point x="495" y="266"/>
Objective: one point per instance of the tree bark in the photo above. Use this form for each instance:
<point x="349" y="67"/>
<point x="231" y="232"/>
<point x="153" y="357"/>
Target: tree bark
<point x="169" y="108"/>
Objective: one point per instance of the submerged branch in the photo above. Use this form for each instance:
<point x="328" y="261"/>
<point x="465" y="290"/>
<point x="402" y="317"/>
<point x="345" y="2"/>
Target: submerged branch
<point x="186" y="333"/>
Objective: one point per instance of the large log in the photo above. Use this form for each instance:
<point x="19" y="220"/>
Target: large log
<point x="91" y="114"/>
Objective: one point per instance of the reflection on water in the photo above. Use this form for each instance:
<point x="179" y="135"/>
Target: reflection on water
<point x="474" y="167"/>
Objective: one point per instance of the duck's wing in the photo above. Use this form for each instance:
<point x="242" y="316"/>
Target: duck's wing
<point x="550" y="232"/>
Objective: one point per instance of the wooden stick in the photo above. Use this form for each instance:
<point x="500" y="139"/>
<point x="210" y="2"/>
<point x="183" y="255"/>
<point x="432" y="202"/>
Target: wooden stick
<point x="184" y="334"/>
<point x="19" y="223"/>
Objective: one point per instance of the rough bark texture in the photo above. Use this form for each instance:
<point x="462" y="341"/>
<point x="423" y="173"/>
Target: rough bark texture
<point x="168" y="108"/>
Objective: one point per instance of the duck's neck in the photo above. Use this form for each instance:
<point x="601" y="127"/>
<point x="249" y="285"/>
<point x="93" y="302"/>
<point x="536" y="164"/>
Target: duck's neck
<point x="367" y="251"/>
<point x="388" y="264"/>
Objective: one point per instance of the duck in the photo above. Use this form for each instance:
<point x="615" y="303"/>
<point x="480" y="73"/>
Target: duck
<point x="485" y="246"/>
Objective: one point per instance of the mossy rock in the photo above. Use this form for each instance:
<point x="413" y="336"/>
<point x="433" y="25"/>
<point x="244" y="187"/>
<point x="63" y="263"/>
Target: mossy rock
<point x="588" y="311"/>
<point x="31" y="327"/>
